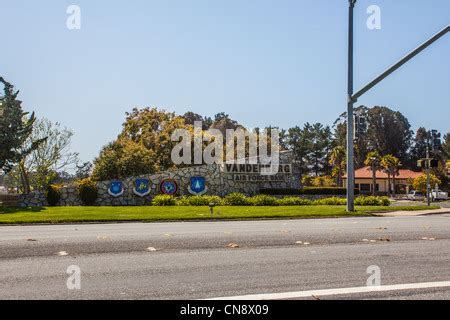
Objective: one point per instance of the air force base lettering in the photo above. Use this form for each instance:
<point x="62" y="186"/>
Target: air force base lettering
<point x="258" y="173"/>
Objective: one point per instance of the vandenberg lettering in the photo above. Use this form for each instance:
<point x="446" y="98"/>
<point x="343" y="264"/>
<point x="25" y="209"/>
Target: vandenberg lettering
<point x="254" y="168"/>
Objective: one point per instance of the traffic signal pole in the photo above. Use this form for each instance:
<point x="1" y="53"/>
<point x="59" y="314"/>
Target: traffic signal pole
<point x="353" y="97"/>
<point x="350" y="119"/>
<point x="428" y="164"/>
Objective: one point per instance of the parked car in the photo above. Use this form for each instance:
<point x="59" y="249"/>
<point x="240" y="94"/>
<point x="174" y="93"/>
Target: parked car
<point x="416" y="196"/>
<point x="439" y="195"/>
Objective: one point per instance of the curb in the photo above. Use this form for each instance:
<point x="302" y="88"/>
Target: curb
<point x="413" y="213"/>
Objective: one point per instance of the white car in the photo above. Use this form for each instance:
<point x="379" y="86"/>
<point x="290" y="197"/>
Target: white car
<point x="416" y="196"/>
<point x="439" y="195"/>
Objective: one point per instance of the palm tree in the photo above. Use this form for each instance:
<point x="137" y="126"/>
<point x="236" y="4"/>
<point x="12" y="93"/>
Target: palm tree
<point x="373" y="160"/>
<point x="338" y="161"/>
<point x="391" y="165"/>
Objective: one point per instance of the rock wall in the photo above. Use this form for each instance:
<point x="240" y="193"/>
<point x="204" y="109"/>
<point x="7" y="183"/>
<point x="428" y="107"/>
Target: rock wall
<point x="219" y="181"/>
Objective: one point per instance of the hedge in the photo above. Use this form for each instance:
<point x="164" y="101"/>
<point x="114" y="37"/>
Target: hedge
<point x="308" y="191"/>
<point x="238" y="199"/>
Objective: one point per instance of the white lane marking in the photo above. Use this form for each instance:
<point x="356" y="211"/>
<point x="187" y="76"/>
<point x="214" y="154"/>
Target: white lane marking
<point x="341" y="291"/>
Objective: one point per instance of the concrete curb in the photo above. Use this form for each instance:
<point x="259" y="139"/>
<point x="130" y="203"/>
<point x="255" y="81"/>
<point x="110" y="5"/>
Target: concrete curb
<point x="413" y="213"/>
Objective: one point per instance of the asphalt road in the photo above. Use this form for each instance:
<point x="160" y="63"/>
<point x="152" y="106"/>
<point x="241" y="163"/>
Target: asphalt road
<point x="193" y="260"/>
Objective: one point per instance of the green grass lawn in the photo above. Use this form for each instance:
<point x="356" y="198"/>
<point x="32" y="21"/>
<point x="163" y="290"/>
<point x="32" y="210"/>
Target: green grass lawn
<point x="9" y="215"/>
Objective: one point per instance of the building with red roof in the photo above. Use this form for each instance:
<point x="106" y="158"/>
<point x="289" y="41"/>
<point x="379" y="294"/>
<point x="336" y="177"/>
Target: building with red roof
<point x="364" y="182"/>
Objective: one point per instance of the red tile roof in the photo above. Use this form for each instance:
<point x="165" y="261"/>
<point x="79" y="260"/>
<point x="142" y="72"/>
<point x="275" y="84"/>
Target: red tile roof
<point x="366" y="173"/>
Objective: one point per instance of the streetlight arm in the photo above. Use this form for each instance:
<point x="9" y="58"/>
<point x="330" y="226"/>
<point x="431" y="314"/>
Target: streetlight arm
<point x="396" y="66"/>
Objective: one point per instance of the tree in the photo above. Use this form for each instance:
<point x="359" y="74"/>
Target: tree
<point x="388" y="131"/>
<point x="299" y="141"/>
<point x="391" y="165"/>
<point x="52" y="156"/>
<point x="15" y="129"/>
<point x="420" y="183"/>
<point x="422" y="140"/>
<point x="320" y="148"/>
<point x="373" y="160"/>
<point x="153" y="128"/>
<point x="446" y="146"/>
<point x="143" y="147"/>
<point x="124" y="158"/>
<point x="220" y="116"/>
<point x="361" y="146"/>
<point x="223" y="122"/>
<point x="84" y="170"/>
<point x="190" y="118"/>
<point x="338" y="162"/>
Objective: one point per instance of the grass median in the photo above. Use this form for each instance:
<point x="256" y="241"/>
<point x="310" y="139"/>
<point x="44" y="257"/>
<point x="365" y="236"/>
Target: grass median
<point x="55" y="215"/>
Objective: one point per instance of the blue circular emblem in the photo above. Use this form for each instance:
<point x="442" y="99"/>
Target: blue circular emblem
<point x="169" y="187"/>
<point x="116" y="189"/>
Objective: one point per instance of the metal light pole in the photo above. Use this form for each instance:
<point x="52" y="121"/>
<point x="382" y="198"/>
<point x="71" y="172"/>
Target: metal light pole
<point x="350" y="120"/>
<point x="353" y="97"/>
<point x="428" y="164"/>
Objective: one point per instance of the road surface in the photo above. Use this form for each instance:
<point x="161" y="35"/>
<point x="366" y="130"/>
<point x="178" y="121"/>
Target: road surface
<point x="205" y="260"/>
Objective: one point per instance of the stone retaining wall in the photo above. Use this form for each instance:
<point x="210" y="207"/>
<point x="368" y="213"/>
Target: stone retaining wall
<point x="218" y="181"/>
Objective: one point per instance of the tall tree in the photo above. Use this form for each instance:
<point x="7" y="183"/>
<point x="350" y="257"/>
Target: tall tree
<point x="446" y="146"/>
<point x="362" y="145"/>
<point x="422" y="140"/>
<point x="388" y="131"/>
<point x="320" y="148"/>
<point x="15" y="128"/>
<point x="373" y="160"/>
<point x="299" y="141"/>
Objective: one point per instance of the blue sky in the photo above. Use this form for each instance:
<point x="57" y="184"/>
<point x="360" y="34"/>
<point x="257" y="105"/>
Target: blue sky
<point x="264" y="62"/>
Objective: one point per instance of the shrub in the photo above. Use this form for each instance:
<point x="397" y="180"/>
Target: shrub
<point x="281" y="192"/>
<point x="236" y="199"/>
<point x="293" y="201"/>
<point x="87" y="190"/>
<point x="308" y="191"/>
<point x="420" y="183"/>
<point x="372" y="201"/>
<point x="333" y="201"/>
<point x="326" y="191"/>
<point x="200" y="201"/>
<point x="164" y="200"/>
<point x="53" y="195"/>
<point x="263" y="200"/>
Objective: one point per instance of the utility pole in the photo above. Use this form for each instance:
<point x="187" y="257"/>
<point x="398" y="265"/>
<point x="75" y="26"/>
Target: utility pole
<point x="428" y="164"/>
<point x="350" y="119"/>
<point x="352" y="98"/>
